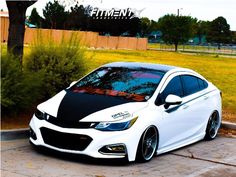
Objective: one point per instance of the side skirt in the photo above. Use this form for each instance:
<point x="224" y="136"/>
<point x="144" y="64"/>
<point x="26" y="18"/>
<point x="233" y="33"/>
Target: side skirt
<point x="181" y="144"/>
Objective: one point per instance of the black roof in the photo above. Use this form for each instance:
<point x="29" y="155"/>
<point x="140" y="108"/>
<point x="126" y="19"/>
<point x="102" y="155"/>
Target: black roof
<point x="133" y="65"/>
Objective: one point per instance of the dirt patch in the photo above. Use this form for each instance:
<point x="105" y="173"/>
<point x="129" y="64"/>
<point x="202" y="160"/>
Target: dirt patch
<point x="229" y="116"/>
<point x="228" y="132"/>
<point x="14" y="122"/>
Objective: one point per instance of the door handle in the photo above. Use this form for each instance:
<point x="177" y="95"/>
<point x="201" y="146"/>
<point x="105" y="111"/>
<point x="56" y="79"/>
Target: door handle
<point x="206" y="97"/>
<point x="185" y="106"/>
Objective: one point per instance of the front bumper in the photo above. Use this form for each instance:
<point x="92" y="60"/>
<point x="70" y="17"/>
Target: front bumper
<point x="96" y="140"/>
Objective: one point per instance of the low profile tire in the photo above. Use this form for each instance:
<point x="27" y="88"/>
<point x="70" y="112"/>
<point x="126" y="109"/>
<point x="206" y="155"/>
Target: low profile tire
<point x="212" y="126"/>
<point x="147" y="145"/>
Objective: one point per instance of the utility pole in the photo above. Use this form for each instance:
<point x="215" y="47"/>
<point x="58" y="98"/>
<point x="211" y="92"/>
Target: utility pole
<point x="178" y="10"/>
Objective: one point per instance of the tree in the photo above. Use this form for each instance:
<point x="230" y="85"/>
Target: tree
<point x="134" y="26"/>
<point x="148" y="26"/>
<point x="78" y="17"/>
<point x="35" y="18"/>
<point x="201" y="29"/>
<point x="55" y="15"/>
<point x="176" y="29"/>
<point x="219" y="31"/>
<point x="17" y="9"/>
<point x="154" y="26"/>
<point x="145" y="26"/>
<point x="233" y="37"/>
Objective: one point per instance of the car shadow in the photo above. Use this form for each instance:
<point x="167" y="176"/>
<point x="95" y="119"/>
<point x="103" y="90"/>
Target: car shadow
<point x="80" y="158"/>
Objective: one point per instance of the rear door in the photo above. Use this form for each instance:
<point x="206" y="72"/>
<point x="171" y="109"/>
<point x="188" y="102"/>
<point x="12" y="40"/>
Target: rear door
<point x="182" y="122"/>
<point x="196" y="102"/>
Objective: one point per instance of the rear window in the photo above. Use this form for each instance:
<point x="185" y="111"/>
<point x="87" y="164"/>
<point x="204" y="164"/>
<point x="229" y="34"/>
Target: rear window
<point x="192" y="84"/>
<point x="202" y="84"/>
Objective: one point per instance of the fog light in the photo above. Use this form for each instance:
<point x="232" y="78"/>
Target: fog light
<point x="114" y="149"/>
<point x="32" y="134"/>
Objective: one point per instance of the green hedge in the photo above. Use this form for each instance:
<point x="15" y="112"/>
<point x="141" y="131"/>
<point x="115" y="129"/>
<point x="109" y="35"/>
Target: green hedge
<point x="19" y="89"/>
<point x="60" y="63"/>
<point x="47" y="69"/>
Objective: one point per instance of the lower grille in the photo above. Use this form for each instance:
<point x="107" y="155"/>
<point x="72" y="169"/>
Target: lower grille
<point x="65" y="140"/>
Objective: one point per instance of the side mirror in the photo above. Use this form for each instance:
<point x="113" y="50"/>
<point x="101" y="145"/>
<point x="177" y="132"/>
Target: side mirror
<point x="172" y="100"/>
<point x="72" y="83"/>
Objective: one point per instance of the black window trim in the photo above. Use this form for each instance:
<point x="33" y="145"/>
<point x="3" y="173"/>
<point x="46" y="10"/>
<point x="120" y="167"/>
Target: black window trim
<point x="190" y="74"/>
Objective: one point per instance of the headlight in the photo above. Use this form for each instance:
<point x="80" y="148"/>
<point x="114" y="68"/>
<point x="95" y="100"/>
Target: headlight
<point x="108" y="126"/>
<point x="40" y="115"/>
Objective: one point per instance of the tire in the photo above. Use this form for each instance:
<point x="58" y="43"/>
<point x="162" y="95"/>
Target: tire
<point x="147" y="145"/>
<point x="212" y="126"/>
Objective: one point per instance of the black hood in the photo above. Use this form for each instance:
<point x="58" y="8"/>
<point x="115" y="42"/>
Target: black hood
<point x="76" y="106"/>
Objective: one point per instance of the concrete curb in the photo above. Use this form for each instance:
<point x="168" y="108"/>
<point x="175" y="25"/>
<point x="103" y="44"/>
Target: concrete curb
<point x="13" y="134"/>
<point x="228" y="125"/>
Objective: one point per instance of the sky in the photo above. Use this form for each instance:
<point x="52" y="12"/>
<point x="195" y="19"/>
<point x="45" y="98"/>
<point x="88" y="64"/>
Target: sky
<point x="154" y="9"/>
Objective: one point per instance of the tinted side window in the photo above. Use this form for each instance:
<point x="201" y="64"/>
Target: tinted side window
<point x="205" y="84"/>
<point x="173" y="87"/>
<point x="191" y="84"/>
<point x="201" y="84"/>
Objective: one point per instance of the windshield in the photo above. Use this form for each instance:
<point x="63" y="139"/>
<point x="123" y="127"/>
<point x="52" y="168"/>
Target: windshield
<point x="135" y="84"/>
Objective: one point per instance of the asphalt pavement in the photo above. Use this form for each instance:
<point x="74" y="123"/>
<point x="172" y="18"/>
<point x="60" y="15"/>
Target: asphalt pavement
<point x="203" y="159"/>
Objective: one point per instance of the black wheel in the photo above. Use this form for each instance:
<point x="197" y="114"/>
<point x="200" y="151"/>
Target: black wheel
<point x="147" y="144"/>
<point x="212" y="126"/>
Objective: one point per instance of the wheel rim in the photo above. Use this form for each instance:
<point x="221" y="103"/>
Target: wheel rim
<point x="149" y="143"/>
<point x="213" y="125"/>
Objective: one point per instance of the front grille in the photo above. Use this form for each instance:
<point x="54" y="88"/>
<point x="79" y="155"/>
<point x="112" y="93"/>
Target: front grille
<point x="70" y="124"/>
<point x="65" y="140"/>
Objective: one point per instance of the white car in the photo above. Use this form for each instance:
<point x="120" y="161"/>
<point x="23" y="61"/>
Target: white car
<point x="129" y="110"/>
